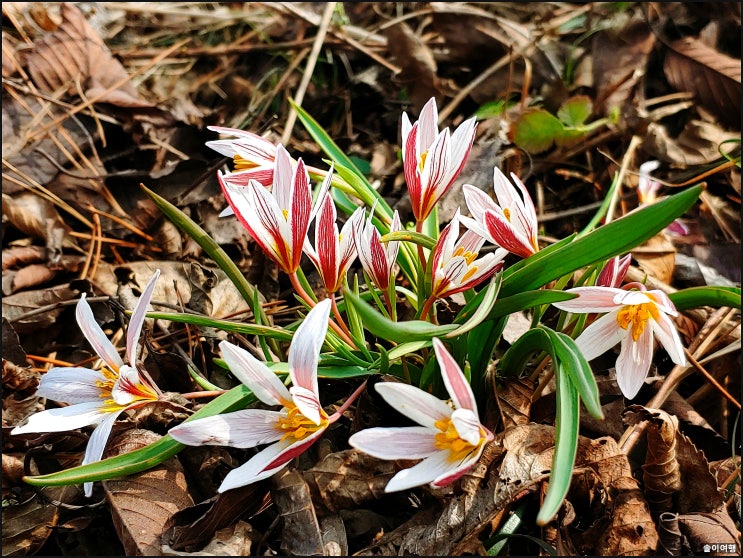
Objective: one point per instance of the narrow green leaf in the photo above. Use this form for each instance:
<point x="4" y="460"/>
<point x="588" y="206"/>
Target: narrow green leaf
<point x="147" y="457"/>
<point x="225" y="325"/>
<point x="514" y="303"/>
<point x="714" y="296"/>
<point x="483" y="310"/>
<point x="215" y="251"/>
<point x="410" y="236"/>
<point x="567" y="424"/>
<point x="575" y="365"/>
<point x="398" y="332"/>
<point x="613" y="239"/>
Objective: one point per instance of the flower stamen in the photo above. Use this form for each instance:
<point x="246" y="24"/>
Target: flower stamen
<point x="637" y="315"/>
<point x="448" y="439"/>
<point x="298" y="426"/>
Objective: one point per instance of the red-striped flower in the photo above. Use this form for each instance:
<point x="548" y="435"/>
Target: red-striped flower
<point x="449" y="440"/>
<point x="96" y="397"/>
<point x="455" y="264"/>
<point x="432" y="160"/>
<point x="376" y="258"/>
<point x="288" y="431"/>
<point x="278" y="220"/>
<point x="333" y="252"/>
<point x="253" y="156"/>
<point x="512" y="223"/>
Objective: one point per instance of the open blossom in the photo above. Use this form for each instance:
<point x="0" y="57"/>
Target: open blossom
<point x="96" y="396"/>
<point x="432" y="160"/>
<point x="449" y="440"/>
<point x="253" y="156"/>
<point x="290" y="430"/>
<point x="278" y="220"/>
<point x="512" y="223"/>
<point x="334" y="251"/>
<point x="634" y="318"/>
<point x="455" y="264"/>
<point x="377" y="258"/>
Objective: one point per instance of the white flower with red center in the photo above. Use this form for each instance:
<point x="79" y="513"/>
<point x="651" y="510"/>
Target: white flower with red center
<point x="96" y="397"/>
<point x="455" y="264"/>
<point x="278" y="220"/>
<point x="433" y="160"/>
<point x="449" y="440"/>
<point x="512" y="223"/>
<point x="334" y="251"/>
<point x="633" y="318"/>
<point x="289" y="431"/>
<point x="377" y="258"/>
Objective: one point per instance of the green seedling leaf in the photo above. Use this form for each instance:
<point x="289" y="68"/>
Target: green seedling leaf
<point x="694" y="297"/>
<point x="575" y="111"/>
<point x="511" y="304"/>
<point x="613" y="239"/>
<point x="581" y="376"/>
<point x="215" y="251"/>
<point x="483" y="310"/>
<point x="225" y="325"/>
<point x="536" y="130"/>
<point x="147" y="457"/>
<point x="567" y="425"/>
<point x="410" y="236"/>
<point x="398" y="332"/>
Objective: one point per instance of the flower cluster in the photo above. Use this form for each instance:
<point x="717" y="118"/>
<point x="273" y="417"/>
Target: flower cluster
<point x="271" y="194"/>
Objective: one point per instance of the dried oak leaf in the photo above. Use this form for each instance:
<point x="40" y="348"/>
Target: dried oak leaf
<point x="712" y="76"/>
<point x="235" y="540"/>
<point x="141" y="504"/>
<point x="347" y="479"/>
<point x="301" y="535"/>
<point x="75" y="52"/>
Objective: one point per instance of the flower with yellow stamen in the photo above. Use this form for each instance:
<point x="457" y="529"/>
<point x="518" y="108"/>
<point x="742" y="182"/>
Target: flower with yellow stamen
<point x="96" y="397"/>
<point x="634" y="317"/>
<point x="449" y="439"/>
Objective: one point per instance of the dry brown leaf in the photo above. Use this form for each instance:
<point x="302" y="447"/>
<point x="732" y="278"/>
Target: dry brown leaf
<point x="335" y="541"/>
<point x="514" y="401"/>
<point x="661" y="472"/>
<point x="190" y="528"/>
<point x="235" y="540"/>
<point x="301" y="531"/>
<point x="712" y="76"/>
<point x="16" y="306"/>
<point x="347" y="479"/>
<point x="73" y="53"/>
<point x="626" y="528"/>
<point x="142" y="503"/>
<point x="656" y="257"/>
<point x="710" y="534"/>
<point x="418" y="65"/>
<point x="37" y="217"/>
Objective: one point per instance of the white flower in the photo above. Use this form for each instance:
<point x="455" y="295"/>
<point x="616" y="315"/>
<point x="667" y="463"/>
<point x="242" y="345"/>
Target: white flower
<point x="449" y="440"/>
<point x="96" y="396"/>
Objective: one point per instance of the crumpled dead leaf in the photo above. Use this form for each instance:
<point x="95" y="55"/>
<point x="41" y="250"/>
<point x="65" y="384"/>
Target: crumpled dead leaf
<point x="142" y="503"/>
<point x="301" y="530"/>
<point x="235" y="540"/>
<point x="74" y="53"/>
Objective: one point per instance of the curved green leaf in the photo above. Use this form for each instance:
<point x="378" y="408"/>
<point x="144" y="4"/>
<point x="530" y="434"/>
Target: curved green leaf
<point x="399" y="332"/>
<point x="613" y="239"/>
<point x="410" y="236"/>
<point x="716" y="297"/>
<point x="225" y="325"/>
<point x="567" y="425"/>
<point x="148" y="456"/>
<point x="514" y="303"/>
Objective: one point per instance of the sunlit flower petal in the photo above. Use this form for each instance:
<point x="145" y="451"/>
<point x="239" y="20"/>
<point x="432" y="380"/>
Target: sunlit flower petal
<point x="239" y="429"/>
<point x="96" y="396"/>
<point x="414" y="403"/>
<point x="512" y="223"/>
<point x="95" y="336"/>
<point x="262" y="381"/>
<point x="634" y="316"/>
<point x="377" y="259"/>
<point x="407" y="442"/>
<point x="450" y="439"/>
<point x="306" y="345"/>
<point x="433" y="160"/>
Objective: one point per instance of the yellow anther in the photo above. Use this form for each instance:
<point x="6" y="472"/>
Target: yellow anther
<point x="285" y="212"/>
<point x="298" y="426"/>
<point x="507" y="214"/>
<point x="470" y="272"/>
<point x="448" y="439"/>
<point x="243" y="164"/>
<point x="637" y="315"/>
<point x="422" y="160"/>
